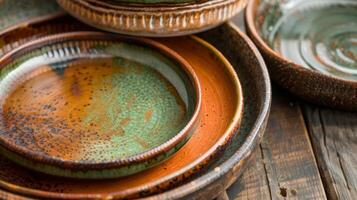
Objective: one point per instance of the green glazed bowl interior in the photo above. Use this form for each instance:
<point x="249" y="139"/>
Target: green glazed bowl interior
<point x="93" y="105"/>
<point x="320" y="35"/>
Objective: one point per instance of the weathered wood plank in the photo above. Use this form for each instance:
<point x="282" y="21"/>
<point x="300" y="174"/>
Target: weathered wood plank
<point x="334" y="139"/>
<point x="253" y="184"/>
<point x="290" y="170"/>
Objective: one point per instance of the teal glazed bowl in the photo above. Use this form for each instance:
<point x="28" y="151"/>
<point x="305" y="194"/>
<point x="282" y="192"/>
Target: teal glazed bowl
<point x="93" y="105"/>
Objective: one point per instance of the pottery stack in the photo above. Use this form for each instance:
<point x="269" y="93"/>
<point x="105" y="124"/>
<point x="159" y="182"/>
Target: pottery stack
<point x="117" y="99"/>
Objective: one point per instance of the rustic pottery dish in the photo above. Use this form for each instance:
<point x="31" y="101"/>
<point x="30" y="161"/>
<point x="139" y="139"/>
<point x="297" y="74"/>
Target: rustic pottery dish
<point x="193" y="155"/>
<point x="310" y="47"/>
<point x="186" y="164"/>
<point x="92" y="105"/>
<point x="154" y="20"/>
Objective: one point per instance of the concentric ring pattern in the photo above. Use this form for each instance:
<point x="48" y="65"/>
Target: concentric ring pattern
<point x="318" y="34"/>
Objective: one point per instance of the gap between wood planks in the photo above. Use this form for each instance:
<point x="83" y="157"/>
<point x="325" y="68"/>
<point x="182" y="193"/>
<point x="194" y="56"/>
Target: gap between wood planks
<point x="334" y="137"/>
<point x="284" y="167"/>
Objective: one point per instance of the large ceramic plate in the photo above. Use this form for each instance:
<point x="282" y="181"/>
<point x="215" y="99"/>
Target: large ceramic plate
<point x="208" y="143"/>
<point x="256" y="88"/>
<point x="94" y="105"/>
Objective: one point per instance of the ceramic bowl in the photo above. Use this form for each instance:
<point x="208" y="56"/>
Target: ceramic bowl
<point x="219" y="138"/>
<point x="94" y="105"/>
<point x="153" y="20"/>
<point x="309" y="47"/>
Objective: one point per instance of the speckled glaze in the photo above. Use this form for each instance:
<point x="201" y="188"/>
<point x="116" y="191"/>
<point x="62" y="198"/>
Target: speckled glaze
<point x="154" y="20"/>
<point x="203" y="148"/>
<point x="321" y="70"/>
<point x="20" y="12"/>
<point x="85" y="106"/>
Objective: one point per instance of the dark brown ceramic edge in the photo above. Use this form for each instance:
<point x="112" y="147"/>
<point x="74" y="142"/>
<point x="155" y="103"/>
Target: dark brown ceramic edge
<point x="186" y="172"/>
<point x="307" y="84"/>
<point x="220" y="178"/>
<point x="152" y="153"/>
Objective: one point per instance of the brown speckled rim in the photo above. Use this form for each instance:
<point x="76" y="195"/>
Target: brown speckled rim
<point x="348" y="87"/>
<point x="243" y="153"/>
<point x="147" y="155"/>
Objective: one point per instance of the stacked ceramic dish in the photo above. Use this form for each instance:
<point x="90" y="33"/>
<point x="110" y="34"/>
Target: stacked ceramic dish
<point x="96" y="115"/>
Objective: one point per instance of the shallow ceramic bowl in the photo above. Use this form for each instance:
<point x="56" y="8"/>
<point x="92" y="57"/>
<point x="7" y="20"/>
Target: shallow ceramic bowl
<point x="310" y="85"/>
<point x="95" y="105"/>
<point x="202" y="182"/>
<point x="153" y="20"/>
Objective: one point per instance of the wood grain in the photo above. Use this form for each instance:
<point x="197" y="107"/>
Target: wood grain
<point x="284" y="167"/>
<point x="253" y="184"/>
<point x="334" y="138"/>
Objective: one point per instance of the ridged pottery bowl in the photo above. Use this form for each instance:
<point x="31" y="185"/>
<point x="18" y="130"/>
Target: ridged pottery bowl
<point x="154" y="20"/>
<point x="94" y="105"/>
<point x="218" y="150"/>
<point x="310" y="47"/>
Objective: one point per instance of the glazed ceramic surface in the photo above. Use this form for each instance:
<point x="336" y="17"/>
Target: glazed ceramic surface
<point x="221" y="112"/>
<point x="14" y="12"/>
<point x="95" y="108"/>
<point x="310" y="47"/>
<point x="153" y="20"/>
<point x="317" y="34"/>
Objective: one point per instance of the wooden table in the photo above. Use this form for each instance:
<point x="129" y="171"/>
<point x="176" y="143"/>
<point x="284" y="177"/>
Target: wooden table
<point x="308" y="152"/>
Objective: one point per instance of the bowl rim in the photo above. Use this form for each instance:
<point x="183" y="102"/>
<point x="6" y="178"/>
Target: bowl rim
<point x="245" y="151"/>
<point x="152" y="8"/>
<point x="250" y="15"/>
<point x="135" y="159"/>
